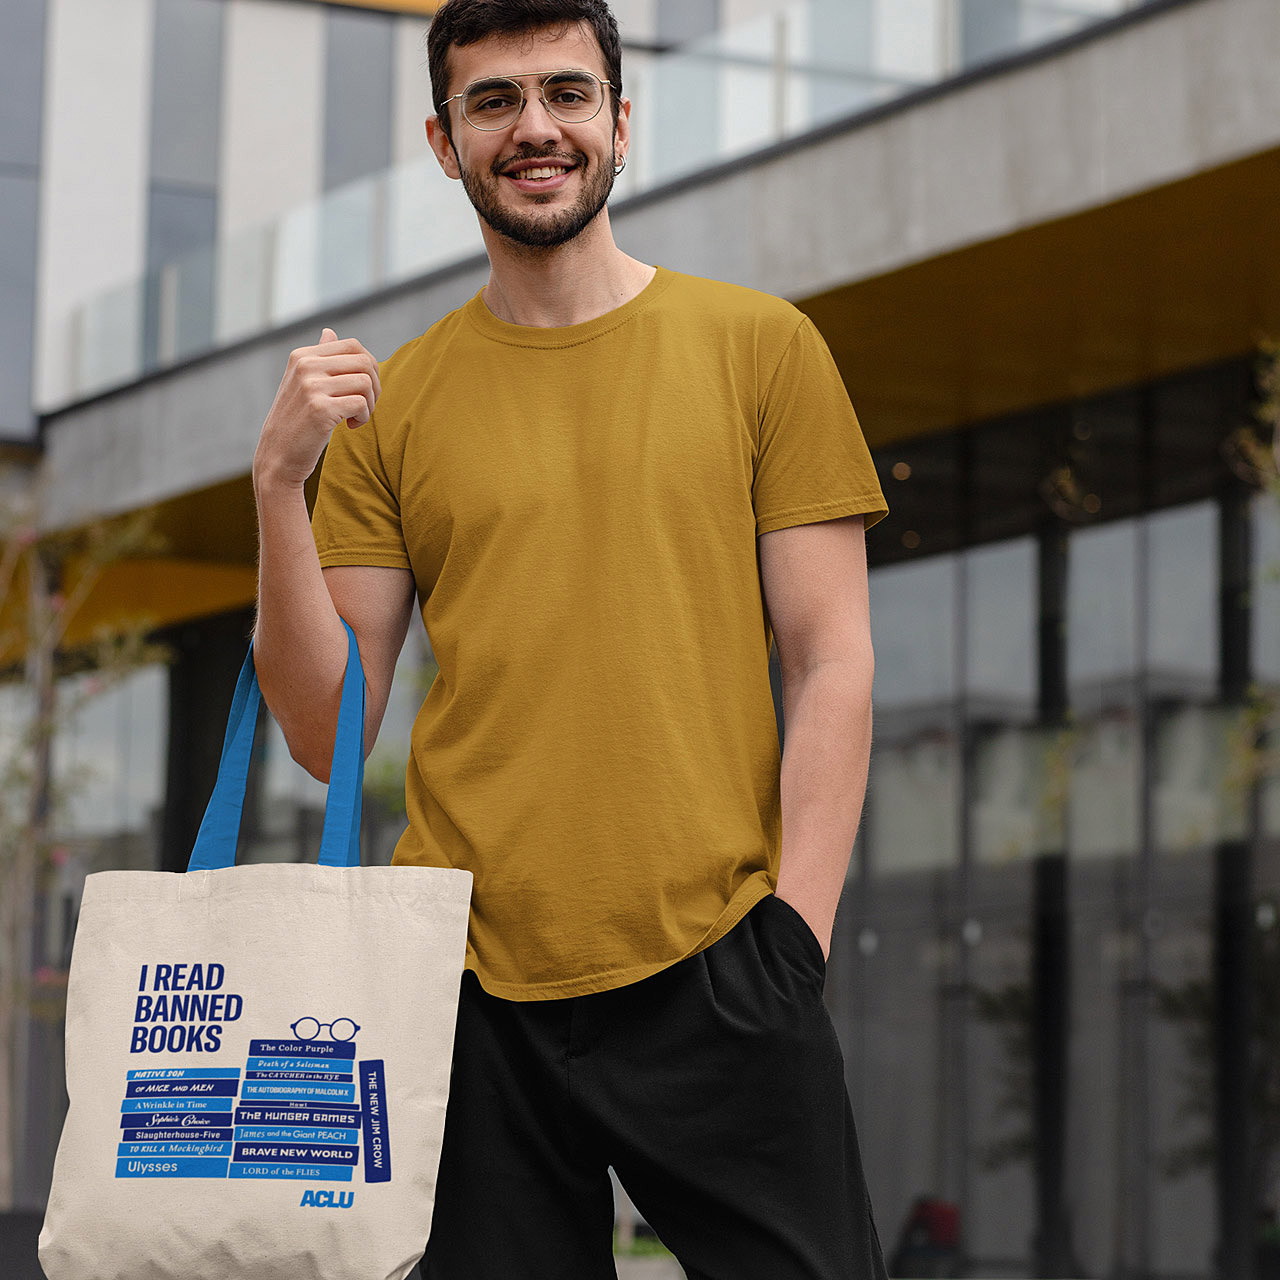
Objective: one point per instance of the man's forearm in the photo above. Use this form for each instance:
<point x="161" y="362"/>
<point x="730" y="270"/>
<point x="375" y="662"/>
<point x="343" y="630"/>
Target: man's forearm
<point x="824" y="781"/>
<point x="300" y="647"/>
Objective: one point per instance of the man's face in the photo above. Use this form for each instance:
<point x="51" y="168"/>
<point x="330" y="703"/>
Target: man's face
<point x="575" y="161"/>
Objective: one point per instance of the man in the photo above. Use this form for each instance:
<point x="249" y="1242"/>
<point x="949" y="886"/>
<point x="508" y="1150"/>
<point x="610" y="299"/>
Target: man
<point x="604" y="484"/>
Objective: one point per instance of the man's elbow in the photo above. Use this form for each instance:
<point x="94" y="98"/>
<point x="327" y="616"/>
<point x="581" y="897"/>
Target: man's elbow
<point x="311" y="745"/>
<point x="849" y="667"/>
<point x="310" y="752"/>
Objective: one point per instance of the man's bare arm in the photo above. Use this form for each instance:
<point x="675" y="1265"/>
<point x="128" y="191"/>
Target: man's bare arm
<point x="814" y="578"/>
<point x="300" y="647"/>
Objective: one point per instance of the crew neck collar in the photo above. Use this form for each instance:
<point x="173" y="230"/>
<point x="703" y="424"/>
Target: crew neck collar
<point x="526" y="335"/>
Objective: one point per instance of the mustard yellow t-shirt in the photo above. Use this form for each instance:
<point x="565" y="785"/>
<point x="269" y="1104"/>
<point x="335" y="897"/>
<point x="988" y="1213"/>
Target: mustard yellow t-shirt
<point x="579" y="507"/>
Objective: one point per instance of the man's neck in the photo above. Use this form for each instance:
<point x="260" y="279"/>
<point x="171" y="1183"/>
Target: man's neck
<point x="548" y="288"/>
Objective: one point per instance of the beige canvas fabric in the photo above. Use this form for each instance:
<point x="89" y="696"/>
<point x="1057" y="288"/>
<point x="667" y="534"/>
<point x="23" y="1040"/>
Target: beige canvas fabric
<point x="280" y="944"/>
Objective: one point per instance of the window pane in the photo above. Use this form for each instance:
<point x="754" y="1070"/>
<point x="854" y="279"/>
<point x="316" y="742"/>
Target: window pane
<point x="1182" y="643"/>
<point x="22" y="84"/>
<point x="913" y="610"/>
<point x="1000" y="645"/>
<point x="921" y="480"/>
<point x="109" y="761"/>
<point x="1265" y="637"/>
<point x="913" y="818"/>
<point x="1103" y="816"/>
<point x="1105" y="474"/>
<point x="1195" y="801"/>
<point x="179" y="288"/>
<point x="1102" y="621"/>
<point x="179" y="222"/>
<point x="686" y="93"/>
<point x="1265" y="593"/>
<point x="357" y="95"/>
<point x="186" y="93"/>
<point x="681" y="20"/>
<point x="1192" y="414"/>
<point x="18" y="202"/>
<point x="988" y="28"/>
<point x="1008" y="463"/>
<point x="1012" y="815"/>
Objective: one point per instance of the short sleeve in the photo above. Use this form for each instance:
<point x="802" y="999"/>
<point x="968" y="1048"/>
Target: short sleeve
<point x="356" y="520"/>
<point x="812" y="463"/>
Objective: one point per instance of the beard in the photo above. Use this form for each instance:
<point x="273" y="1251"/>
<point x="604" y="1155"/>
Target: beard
<point x="526" y="230"/>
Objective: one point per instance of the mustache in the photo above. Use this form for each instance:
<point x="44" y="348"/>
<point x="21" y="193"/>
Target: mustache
<point x="527" y="152"/>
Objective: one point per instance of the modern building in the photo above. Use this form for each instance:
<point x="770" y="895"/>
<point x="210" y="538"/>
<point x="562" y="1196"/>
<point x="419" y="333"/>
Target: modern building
<point x="1040" y="238"/>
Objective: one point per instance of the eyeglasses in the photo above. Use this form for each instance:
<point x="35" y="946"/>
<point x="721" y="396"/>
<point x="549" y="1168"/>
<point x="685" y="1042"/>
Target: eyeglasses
<point x="496" y="102"/>
<point x="309" y="1028"/>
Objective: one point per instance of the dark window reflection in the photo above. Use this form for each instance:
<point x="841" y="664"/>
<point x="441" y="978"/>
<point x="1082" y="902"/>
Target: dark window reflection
<point x="921" y="482"/>
<point x="1182" y="624"/>
<point x="1102" y="613"/>
<point x="1000" y="631"/>
<point x="1038" y="884"/>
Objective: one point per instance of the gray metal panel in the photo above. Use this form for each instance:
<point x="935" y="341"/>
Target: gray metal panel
<point x="22" y="82"/>
<point x="178" y="222"/>
<point x="186" y="92"/>
<point x="681" y="20"/>
<point x="19" y="196"/>
<point x="359" y="49"/>
<point x="987" y="28"/>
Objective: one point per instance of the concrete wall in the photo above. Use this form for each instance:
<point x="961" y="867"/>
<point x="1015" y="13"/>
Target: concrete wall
<point x="1172" y="94"/>
<point x="1166" y="97"/>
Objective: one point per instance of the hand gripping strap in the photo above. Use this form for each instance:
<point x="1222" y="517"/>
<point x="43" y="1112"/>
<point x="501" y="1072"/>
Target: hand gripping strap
<point x="215" y="845"/>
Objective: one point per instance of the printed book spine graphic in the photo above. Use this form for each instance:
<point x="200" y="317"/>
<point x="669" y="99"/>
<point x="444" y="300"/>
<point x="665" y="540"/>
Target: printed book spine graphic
<point x="297" y="1111"/>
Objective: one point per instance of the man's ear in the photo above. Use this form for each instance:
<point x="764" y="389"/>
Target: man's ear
<point x="442" y="147"/>
<point x="622" y="127"/>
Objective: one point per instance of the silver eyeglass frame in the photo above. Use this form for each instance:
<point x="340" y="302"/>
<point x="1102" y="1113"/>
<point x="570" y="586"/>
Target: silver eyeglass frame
<point x="524" y="98"/>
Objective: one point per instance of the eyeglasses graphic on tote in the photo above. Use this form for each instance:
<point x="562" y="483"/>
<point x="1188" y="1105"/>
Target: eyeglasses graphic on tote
<point x="309" y="1028"/>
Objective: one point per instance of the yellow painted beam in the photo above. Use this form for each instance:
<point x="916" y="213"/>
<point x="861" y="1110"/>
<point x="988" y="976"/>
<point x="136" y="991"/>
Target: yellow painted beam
<point x="204" y="562"/>
<point x="158" y="592"/>
<point x="426" y="7"/>
<point x="1184" y="275"/>
<point x="132" y="595"/>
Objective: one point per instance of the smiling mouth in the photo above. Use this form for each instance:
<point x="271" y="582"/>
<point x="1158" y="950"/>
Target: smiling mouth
<point x="540" y="175"/>
<point x="538" y="169"/>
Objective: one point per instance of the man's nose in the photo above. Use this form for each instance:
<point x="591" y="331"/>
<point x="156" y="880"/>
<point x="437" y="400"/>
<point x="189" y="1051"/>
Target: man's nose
<point x="536" y="125"/>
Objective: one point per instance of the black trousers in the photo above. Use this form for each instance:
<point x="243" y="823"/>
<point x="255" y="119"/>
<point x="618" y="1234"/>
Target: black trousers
<point x="715" y="1088"/>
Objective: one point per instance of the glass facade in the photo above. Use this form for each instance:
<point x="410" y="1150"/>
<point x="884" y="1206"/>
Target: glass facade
<point x="1060" y="804"/>
<point x="727" y="80"/>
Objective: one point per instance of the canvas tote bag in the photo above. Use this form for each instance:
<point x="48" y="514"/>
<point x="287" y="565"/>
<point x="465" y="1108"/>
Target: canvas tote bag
<point x="258" y="1056"/>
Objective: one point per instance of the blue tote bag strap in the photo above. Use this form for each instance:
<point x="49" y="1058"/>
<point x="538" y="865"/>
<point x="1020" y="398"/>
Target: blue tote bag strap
<point x="340" y="839"/>
<point x="215" y="845"/>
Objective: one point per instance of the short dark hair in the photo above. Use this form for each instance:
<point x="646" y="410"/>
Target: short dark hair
<point x="463" y="22"/>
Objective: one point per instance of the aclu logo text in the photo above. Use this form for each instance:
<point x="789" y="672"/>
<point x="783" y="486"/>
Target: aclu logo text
<point x="327" y="1199"/>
